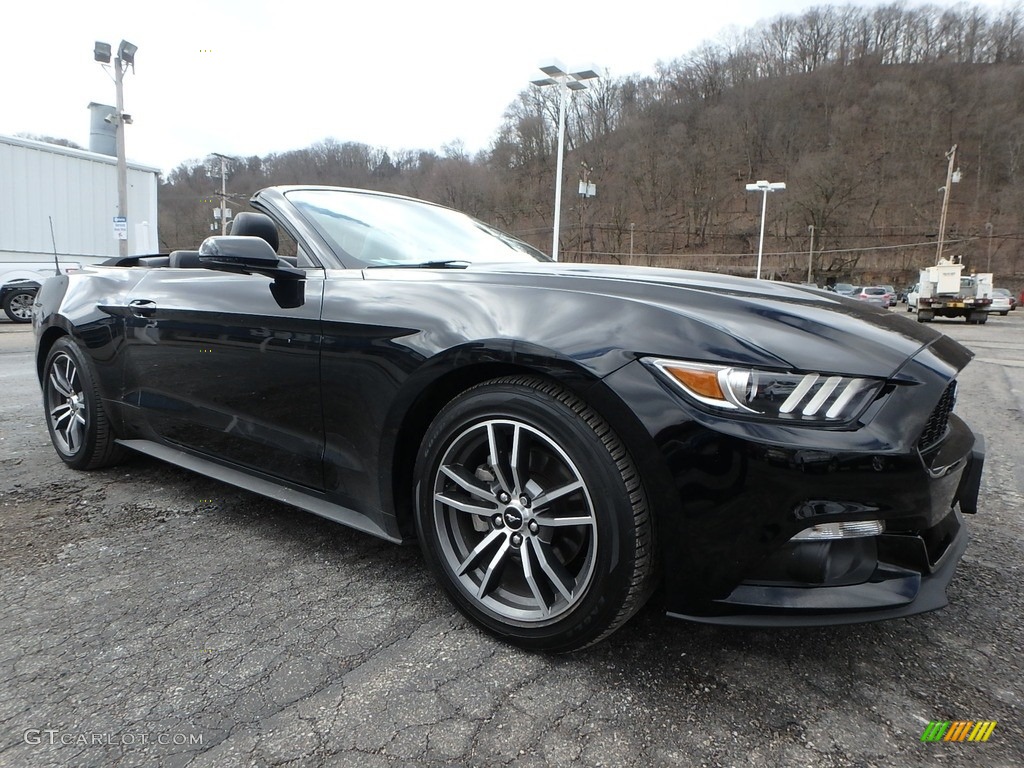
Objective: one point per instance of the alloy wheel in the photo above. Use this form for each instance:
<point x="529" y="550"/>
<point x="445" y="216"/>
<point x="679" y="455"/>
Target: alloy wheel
<point x="66" y="405"/>
<point x="20" y="306"/>
<point x="515" y="521"/>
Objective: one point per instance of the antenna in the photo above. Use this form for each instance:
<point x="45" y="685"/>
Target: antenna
<point x="56" y="261"/>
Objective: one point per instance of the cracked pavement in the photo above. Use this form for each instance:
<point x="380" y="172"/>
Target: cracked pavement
<point x="153" y="617"/>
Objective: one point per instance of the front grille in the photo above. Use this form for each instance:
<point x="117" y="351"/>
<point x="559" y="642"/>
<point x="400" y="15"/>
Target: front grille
<point x="935" y="429"/>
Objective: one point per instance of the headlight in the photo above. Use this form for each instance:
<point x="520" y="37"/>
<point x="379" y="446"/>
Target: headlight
<point x="803" y="397"/>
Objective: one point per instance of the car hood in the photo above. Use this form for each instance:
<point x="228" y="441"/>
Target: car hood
<point x="742" y="319"/>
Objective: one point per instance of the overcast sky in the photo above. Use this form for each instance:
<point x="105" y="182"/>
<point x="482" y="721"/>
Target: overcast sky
<point x="253" y="77"/>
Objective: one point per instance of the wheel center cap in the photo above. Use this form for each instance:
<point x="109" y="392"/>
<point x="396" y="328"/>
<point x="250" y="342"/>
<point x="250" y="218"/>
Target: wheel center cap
<point x="513" y="518"/>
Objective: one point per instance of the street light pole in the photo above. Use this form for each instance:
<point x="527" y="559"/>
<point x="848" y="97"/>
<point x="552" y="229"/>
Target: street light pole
<point x="566" y="82"/>
<point x="122" y="163"/>
<point x="125" y="55"/>
<point x="764" y="186"/>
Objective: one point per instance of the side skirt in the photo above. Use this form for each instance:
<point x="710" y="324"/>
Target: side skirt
<point x="260" y="485"/>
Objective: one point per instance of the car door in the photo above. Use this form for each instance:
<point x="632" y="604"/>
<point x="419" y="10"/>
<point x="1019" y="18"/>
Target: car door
<point x="217" y="363"/>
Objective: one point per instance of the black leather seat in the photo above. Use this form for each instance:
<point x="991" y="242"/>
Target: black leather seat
<point x="256" y="225"/>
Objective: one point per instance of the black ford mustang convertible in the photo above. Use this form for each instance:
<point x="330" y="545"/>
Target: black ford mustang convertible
<point x="561" y="439"/>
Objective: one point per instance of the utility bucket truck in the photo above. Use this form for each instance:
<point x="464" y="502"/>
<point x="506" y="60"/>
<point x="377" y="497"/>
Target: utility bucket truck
<point x="946" y="292"/>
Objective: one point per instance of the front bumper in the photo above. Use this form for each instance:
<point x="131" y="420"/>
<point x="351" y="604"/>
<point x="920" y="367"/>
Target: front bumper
<point x="728" y="505"/>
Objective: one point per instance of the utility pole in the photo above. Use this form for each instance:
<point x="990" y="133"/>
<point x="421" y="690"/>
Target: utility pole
<point x="810" y="253"/>
<point x="988" y="230"/>
<point x="223" y="192"/>
<point x="945" y="202"/>
<point x="631" y="228"/>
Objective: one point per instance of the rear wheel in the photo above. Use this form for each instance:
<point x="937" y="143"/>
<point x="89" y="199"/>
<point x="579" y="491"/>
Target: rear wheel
<point x="532" y="515"/>
<point x="18" y="305"/>
<point x="79" y="428"/>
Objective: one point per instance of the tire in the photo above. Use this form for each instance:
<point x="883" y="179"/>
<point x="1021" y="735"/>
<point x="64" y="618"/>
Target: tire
<point x="553" y="548"/>
<point x="18" y="305"/>
<point x="79" y="428"/>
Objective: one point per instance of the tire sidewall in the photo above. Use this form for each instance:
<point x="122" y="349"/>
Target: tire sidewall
<point x="616" y="536"/>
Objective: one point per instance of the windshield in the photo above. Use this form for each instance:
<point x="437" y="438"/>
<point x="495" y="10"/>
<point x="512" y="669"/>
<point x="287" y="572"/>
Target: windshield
<point x="378" y="230"/>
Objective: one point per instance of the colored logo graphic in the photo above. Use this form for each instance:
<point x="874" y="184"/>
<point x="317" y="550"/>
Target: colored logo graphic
<point x="958" y="730"/>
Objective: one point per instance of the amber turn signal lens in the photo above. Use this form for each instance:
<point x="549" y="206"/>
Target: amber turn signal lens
<point x="702" y="383"/>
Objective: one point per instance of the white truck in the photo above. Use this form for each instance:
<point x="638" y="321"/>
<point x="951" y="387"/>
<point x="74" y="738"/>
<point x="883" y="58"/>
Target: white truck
<point x="944" y="291"/>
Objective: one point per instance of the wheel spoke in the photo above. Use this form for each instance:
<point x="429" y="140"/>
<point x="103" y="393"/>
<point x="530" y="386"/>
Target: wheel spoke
<point x="514" y="461"/>
<point x="531" y="580"/>
<point x="74" y="435"/>
<point x="559" y="577"/>
<point x="485" y="542"/>
<point x="69" y="373"/>
<point x="463" y="506"/>
<point x="495" y="457"/>
<point x="60" y="384"/>
<point x="468" y="484"/>
<point x="493" y="569"/>
<point x="59" y="413"/>
<point x="563" y="522"/>
<point x="546" y="497"/>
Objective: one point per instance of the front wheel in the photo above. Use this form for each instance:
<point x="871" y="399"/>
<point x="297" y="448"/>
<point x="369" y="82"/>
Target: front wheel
<point x="79" y="428"/>
<point x="18" y="305"/>
<point x="532" y="515"/>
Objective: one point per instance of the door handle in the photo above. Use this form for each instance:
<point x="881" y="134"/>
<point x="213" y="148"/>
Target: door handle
<point x="142" y="307"/>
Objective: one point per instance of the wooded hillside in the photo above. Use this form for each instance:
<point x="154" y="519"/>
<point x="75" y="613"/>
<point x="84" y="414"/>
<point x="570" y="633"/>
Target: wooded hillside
<point x="855" y="109"/>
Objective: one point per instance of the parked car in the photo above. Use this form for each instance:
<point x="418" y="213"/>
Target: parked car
<point x="912" y="296"/>
<point x="875" y="295"/>
<point x="844" y="289"/>
<point x="892" y="295"/>
<point x="560" y="438"/>
<point x="1003" y="301"/>
<point x="16" y="298"/>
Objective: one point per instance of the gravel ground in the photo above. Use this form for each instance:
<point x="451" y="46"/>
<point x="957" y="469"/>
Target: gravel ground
<point x="153" y="617"/>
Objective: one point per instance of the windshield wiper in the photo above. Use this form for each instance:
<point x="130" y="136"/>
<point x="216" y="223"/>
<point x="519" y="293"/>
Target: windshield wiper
<point x="449" y="264"/>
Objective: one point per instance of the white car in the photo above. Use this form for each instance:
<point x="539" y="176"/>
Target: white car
<point x="912" y="295"/>
<point x="1001" y="302"/>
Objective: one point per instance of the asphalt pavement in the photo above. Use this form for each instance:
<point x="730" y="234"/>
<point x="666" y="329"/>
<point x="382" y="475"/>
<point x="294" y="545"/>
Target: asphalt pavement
<point x="151" y="617"/>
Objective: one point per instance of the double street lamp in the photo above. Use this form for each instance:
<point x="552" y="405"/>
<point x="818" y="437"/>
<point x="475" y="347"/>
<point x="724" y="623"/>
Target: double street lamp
<point x="125" y="56"/>
<point x="764" y="187"/>
<point x="556" y="74"/>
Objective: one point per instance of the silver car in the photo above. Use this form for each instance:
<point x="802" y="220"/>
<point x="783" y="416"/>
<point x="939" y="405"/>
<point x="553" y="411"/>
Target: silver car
<point x="876" y="295"/>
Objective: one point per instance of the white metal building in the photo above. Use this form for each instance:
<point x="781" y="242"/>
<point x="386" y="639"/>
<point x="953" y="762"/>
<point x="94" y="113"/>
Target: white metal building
<point x="77" y="190"/>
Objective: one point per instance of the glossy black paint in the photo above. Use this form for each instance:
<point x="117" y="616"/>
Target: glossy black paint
<point x="330" y="398"/>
